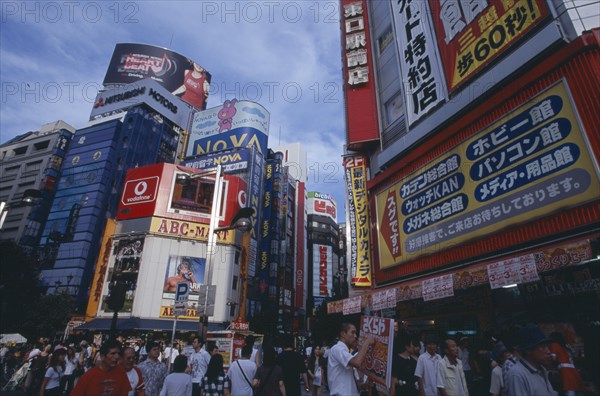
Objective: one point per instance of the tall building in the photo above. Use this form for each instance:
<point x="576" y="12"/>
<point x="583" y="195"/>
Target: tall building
<point x="30" y="164"/>
<point x="472" y="162"/>
<point x="323" y="249"/>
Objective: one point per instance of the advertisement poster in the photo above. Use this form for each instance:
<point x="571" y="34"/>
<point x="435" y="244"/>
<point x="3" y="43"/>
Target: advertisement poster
<point x="182" y="76"/>
<point x="529" y="164"/>
<point x="184" y="269"/>
<point x="472" y="34"/>
<point x="127" y="255"/>
<point x="378" y="362"/>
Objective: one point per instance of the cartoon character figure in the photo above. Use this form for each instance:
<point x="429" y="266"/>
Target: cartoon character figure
<point x="226" y="115"/>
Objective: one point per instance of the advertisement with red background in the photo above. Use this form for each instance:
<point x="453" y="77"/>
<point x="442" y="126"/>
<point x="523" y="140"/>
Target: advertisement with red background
<point x="153" y="191"/>
<point x="359" y="87"/>
<point x="471" y="37"/>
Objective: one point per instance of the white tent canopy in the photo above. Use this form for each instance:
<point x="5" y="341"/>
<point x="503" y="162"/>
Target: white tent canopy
<point x="14" y="338"/>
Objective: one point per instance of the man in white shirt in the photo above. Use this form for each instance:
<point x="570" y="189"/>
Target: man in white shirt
<point x="241" y="373"/>
<point x="134" y="374"/>
<point x="426" y="368"/>
<point x="198" y="365"/>
<point x="450" y="375"/>
<point x="170" y="353"/>
<point x="340" y="364"/>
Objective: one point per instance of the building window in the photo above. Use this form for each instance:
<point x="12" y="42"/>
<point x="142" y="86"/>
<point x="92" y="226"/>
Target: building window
<point x="20" y="150"/>
<point x="41" y="145"/>
<point x="234" y="283"/>
<point x="394" y="109"/>
<point x="386" y="38"/>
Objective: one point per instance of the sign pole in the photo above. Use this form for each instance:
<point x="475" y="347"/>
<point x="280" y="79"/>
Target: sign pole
<point x="172" y="341"/>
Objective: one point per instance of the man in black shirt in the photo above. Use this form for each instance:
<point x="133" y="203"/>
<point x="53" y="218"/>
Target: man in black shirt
<point x="292" y="365"/>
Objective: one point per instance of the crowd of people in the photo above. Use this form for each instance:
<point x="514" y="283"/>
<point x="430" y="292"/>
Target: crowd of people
<point x="522" y="362"/>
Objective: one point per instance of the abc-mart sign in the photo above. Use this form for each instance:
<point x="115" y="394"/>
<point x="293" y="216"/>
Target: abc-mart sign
<point x="146" y="91"/>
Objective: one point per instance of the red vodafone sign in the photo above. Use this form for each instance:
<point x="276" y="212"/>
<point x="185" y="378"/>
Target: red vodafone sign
<point x="140" y="191"/>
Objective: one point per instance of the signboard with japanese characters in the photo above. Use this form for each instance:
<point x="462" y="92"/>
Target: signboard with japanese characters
<point x="438" y="287"/>
<point x="419" y="62"/>
<point x="322" y="271"/>
<point x="356" y="43"/>
<point x="358" y="217"/>
<point x="471" y="34"/>
<point x="516" y="270"/>
<point x="378" y="362"/>
<point x="529" y="164"/>
<point x="352" y="305"/>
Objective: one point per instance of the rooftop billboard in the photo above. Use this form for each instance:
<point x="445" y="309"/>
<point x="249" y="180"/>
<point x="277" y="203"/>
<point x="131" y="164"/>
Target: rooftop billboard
<point x="178" y="74"/>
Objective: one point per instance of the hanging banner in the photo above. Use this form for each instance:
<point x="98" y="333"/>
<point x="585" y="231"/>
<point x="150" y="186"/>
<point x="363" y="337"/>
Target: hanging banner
<point x="530" y="163"/>
<point x="419" y="61"/>
<point x="358" y="214"/>
<point x="438" y="287"/>
<point x="352" y="305"/>
<point x="378" y="362"/>
<point x="516" y="270"/>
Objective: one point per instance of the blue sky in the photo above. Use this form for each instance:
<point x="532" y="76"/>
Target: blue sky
<point x="283" y="55"/>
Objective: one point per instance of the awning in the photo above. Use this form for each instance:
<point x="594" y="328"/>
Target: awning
<point x="134" y="323"/>
<point x="13" y="338"/>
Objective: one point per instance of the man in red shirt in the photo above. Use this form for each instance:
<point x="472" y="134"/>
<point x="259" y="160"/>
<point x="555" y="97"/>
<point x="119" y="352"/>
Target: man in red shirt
<point x="107" y="378"/>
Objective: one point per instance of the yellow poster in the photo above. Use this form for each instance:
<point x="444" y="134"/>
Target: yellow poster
<point x="529" y="164"/>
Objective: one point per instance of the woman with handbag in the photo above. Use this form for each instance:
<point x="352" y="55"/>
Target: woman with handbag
<point x="316" y="370"/>
<point x="268" y="380"/>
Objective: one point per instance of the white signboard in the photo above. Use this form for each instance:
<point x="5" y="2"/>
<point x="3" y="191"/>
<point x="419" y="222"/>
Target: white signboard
<point x="438" y="287"/>
<point x="515" y="270"/>
<point x="351" y="305"/>
<point x="421" y="71"/>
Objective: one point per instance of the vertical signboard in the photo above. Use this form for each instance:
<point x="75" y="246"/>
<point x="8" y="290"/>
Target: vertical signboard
<point x="359" y="86"/>
<point x="322" y="273"/>
<point x="262" y="271"/>
<point x="472" y="34"/>
<point x="419" y="62"/>
<point x="378" y="362"/>
<point x="529" y="164"/>
<point x="300" y="245"/>
<point x="358" y="216"/>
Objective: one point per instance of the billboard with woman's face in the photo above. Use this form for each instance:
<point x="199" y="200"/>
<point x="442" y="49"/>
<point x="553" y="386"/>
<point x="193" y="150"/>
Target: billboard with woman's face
<point x="180" y="75"/>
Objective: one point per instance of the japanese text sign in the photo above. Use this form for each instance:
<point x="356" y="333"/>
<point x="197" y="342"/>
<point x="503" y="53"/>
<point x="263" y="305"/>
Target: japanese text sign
<point x="529" y="164"/>
<point x="438" y="287"/>
<point x="419" y="61"/>
<point x="520" y="269"/>
<point x="378" y="361"/>
<point x="470" y="34"/>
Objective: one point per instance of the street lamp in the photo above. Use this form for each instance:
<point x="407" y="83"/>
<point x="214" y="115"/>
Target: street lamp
<point x="241" y="222"/>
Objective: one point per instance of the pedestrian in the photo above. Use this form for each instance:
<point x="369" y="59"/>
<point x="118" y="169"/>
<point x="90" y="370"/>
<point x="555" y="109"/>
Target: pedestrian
<point x="426" y="371"/>
<point x="134" y="374"/>
<point x="451" y="379"/>
<point x="497" y="385"/>
<point x="107" y="378"/>
<point x="153" y="370"/>
<point x="198" y="364"/>
<point x="317" y="365"/>
<point x="341" y="363"/>
<point x="529" y="376"/>
<point x="215" y="383"/>
<point x="268" y="380"/>
<point x="241" y="372"/>
<point x="55" y="371"/>
<point x="170" y="353"/>
<point x="71" y="364"/>
<point x="465" y="356"/>
<point x="292" y="364"/>
<point x="404" y="365"/>
<point x="570" y="379"/>
<point x="178" y="383"/>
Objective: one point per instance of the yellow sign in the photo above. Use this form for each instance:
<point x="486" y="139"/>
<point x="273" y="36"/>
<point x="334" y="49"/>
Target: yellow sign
<point x="188" y="230"/>
<point x="358" y="213"/>
<point x="167" y="312"/>
<point x="101" y="268"/>
<point x="530" y="163"/>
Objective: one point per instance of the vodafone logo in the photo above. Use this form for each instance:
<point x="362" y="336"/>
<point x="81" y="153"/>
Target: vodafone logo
<point x="140" y="188"/>
<point x="140" y="191"/>
<point x="242" y="199"/>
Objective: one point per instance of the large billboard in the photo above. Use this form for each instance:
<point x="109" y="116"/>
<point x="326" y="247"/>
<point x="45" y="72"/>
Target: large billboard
<point x="321" y="204"/>
<point x="472" y="34"/>
<point x="234" y="124"/>
<point x="528" y="164"/>
<point x="132" y="62"/>
<point x="183" y="269"/>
